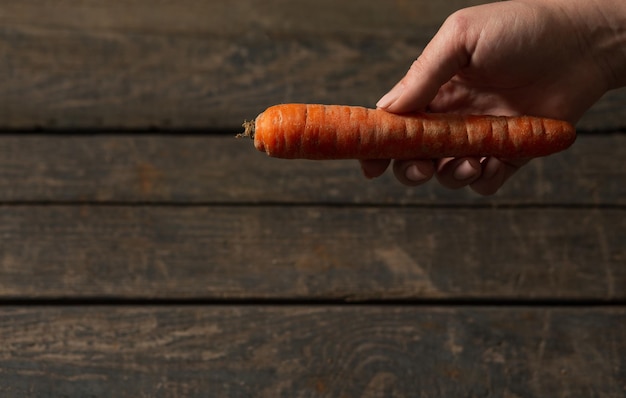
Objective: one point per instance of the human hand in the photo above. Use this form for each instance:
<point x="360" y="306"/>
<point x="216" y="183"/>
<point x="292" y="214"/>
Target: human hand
<point x="507" y="58"/>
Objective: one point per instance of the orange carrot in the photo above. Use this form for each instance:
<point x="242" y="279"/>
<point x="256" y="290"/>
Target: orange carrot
<point x="312" y="131"/>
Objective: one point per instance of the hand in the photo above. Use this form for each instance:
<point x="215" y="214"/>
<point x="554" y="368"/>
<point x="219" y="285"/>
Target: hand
<point x="507" y="58"/>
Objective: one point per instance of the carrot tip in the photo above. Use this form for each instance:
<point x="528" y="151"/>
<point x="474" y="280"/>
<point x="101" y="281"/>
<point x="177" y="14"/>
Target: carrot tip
<point x="248" y="129"/>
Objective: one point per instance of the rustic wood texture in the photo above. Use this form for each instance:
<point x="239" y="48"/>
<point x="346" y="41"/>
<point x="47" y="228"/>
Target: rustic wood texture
<point x="239" y="351"/>
<point x="285" y="252"/>
<point x="210" y="64"/>
<point x="183" y="263"/>
<point x="221" y="169"/>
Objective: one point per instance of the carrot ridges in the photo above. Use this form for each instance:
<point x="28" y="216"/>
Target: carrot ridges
<point x="314" y="131"/>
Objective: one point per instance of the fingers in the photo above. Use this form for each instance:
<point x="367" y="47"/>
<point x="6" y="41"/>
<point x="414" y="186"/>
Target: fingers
<point x="413" y="172"/>
<point x="455" y="173"/>
<point x="484" y="176"/>
<point x="374" y="168"/>
<point x="442" y="58"/>
<point x="495" y="172"/>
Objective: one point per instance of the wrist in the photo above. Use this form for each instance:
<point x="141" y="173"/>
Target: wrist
<point x="613" y="40"/>
<point x="601" y="27"/>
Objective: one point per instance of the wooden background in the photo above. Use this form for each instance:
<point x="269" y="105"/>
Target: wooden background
<point x="146" y="252"/>
<point x="200" y="64"/>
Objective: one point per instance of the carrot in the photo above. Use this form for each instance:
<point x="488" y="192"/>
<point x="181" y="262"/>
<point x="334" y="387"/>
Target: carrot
<point x="312" y="131"/>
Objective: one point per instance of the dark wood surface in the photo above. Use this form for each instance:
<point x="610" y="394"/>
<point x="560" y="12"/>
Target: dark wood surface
<point x="312" y="351"/>
<point x="311" y="252"/>
<point x="146" y="252"/>
<point x="210" y="64"/>
<point x="219" y="169"/>
<point x="121" y="280"/>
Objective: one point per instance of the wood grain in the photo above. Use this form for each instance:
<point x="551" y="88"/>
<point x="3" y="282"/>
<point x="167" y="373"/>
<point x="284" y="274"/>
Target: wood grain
<point x="206" y="257"/>
<point x="311" y="252"/>
<point x="138" y="63"/>
<point x="217" y="170"/>
<point x="311" y="351"/>
<point x="199" y="64"/>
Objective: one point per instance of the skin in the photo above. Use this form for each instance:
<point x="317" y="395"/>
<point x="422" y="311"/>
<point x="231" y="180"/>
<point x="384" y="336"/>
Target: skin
<point x="548" y="58"/>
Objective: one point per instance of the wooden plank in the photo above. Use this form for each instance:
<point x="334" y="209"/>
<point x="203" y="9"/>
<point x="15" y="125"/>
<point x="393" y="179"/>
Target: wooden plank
<point x="308" y="252"/>
<point x="198" y="64"/>
<point x="312" y="351"/>
<point x="216" y="169"/>
<point x="138" y="63"/>
<point x="220" y="17"/>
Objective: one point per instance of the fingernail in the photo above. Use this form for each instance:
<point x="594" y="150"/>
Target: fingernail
<point x="464" y="171"/>
<point x="413" y="173"/>
<point x="390" y="97"/>
<point x="491" y="169"/>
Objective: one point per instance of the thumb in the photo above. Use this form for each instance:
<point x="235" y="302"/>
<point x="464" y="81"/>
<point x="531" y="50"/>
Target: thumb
<point x="441" y="59"/>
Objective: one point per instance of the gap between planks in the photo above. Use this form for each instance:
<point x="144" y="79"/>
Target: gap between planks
<point x="318" y="204"/>
<point x="484" y="302"/>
